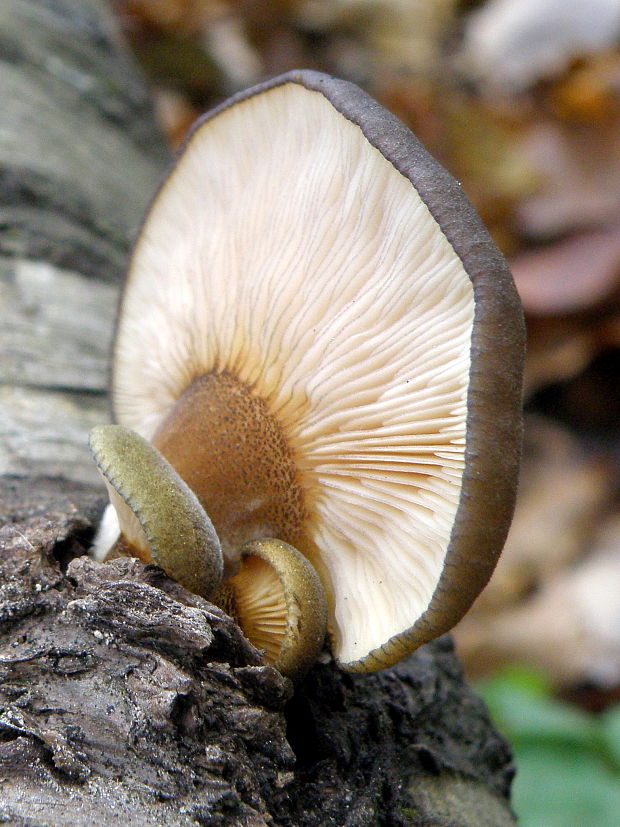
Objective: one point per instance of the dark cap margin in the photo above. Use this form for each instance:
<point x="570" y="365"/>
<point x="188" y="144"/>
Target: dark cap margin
<point x="494" y="423"/>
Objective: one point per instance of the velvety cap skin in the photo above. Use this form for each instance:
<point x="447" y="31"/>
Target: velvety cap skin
<point x="160" y="518"/>
<point x="308" y="248"/>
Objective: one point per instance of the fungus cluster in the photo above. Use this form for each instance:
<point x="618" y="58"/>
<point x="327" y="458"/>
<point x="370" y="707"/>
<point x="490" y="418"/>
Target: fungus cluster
<point x="320" y="348"/>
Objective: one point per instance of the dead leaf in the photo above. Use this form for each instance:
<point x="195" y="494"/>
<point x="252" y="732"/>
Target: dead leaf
<point x="175" y="113"/>
<point x="570" y="630"/>
<point x="578" y="169"/>
<point x="513" y="45"/>
<point x="571" y="276"/>
<point x="563" y="490"/>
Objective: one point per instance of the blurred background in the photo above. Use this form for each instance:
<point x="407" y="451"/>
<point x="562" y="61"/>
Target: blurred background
<point x="520" y="100"/>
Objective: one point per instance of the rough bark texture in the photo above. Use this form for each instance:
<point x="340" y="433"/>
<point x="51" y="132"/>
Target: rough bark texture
<point x="123" y="698"/>
<point x="80" y="156"/>
<point x="126" y="699"/>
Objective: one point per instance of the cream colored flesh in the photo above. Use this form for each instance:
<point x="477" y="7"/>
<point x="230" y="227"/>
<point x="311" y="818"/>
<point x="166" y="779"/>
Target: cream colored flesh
<point x="285" y="250"/>
<point x="261" y="607"/>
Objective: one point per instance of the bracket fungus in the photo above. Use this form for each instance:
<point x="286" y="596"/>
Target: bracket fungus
<point x="320" y="337"/>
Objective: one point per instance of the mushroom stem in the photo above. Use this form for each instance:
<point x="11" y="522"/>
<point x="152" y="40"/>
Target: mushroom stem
<point x="233" y="453"/>
<point x="160" y="518"/>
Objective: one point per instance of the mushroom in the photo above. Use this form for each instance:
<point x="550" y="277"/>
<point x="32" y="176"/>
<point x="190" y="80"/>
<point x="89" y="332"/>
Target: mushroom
<point x="160" y="517"/>
<point x="321" y="338"/>
<point x="276" y="596"/>
<point x="279" y="602"/>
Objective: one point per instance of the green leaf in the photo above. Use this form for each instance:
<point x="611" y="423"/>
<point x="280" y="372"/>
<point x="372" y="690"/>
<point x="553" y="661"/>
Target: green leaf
<point x="610" y="734"/>
<point x="523" y="713"/>
<point x="568" y="761"/>
<point x="517" y="676"/>
<point x="558" y="785"/>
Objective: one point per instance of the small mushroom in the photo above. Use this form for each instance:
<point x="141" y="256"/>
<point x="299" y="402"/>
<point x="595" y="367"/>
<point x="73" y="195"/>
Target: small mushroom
<point x="160" y="518"/>
<point x="276" y="596"/>
<point x="321" y="338"/>
<point x="279" y="602"/>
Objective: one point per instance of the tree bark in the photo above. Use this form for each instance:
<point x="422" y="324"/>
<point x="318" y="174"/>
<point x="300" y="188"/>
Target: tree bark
<point x="124" y="698"/>
<point x="80" y="155"/>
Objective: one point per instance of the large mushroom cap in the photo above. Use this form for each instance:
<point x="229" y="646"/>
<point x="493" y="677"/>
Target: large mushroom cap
<point x="317" y="289"/>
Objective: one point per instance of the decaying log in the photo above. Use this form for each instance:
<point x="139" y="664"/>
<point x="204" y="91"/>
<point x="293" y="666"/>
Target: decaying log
<point x="126" y="699"/>
<point x="123" y="698"/>
<point x="80" y="156"/>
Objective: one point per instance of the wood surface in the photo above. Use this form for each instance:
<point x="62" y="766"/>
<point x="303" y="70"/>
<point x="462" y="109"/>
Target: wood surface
<point x="123" y="698"/>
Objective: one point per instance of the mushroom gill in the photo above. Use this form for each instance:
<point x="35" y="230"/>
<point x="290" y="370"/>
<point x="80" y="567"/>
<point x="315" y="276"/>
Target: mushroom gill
<point x="300" y="335"/>
<point x="278" y="600"/>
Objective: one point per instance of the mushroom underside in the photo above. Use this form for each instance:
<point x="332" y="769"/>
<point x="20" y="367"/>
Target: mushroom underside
<point x="316" y="336"/>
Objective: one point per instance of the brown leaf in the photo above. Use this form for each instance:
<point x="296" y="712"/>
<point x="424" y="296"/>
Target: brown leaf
<point x="571" y="276"/>
<point x="513" y="45"/>
<point x="578" y="166"/>
<point x="563" y="491"/>
<point x="570" y="629"/>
